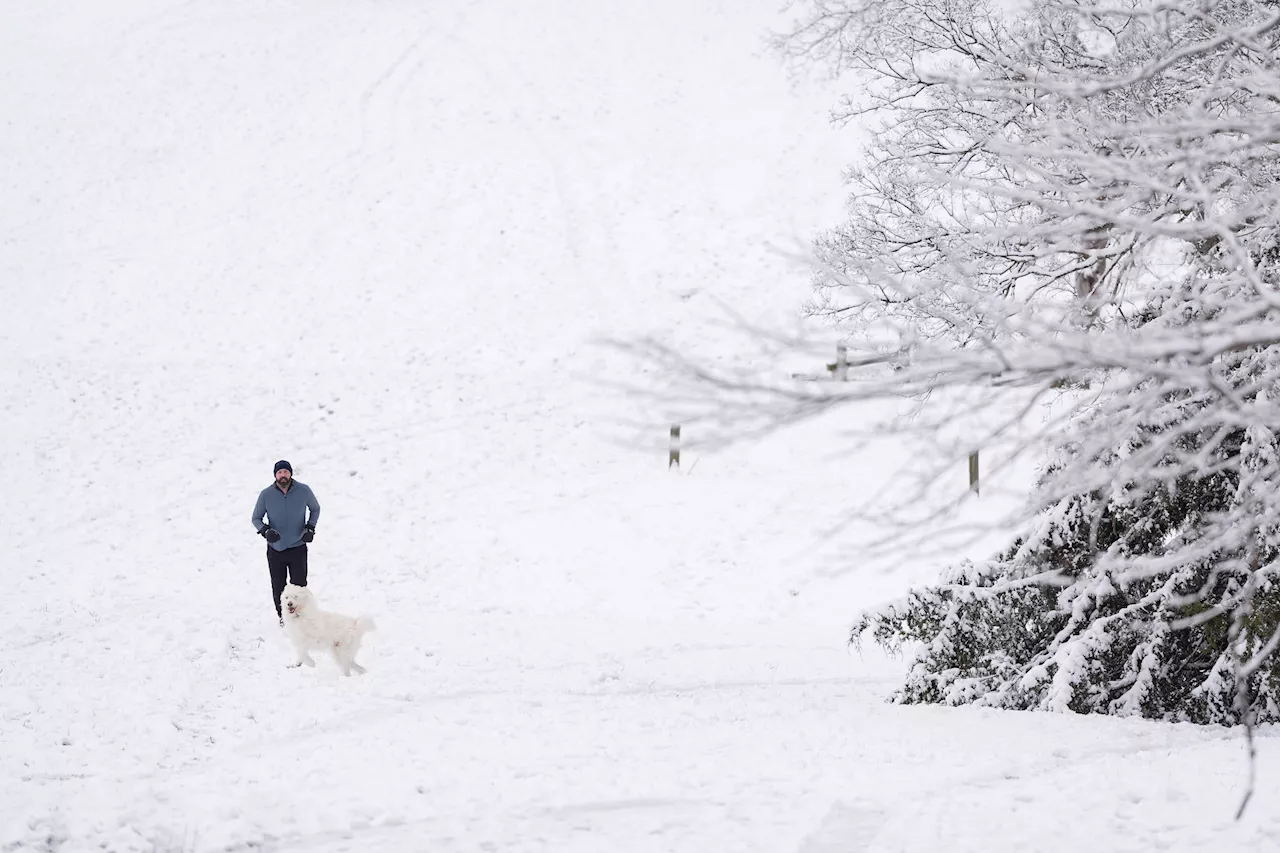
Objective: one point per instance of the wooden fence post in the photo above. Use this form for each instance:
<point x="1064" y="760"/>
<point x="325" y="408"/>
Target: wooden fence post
<point x="973" y="472"/>
<point x="673" y="455"/>
<point x="842" y="363"/>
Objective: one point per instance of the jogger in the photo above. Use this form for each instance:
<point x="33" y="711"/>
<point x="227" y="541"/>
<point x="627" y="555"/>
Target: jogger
<point x="291" y="512"/>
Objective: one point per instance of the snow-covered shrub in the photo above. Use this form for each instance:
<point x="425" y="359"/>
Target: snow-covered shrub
<point x="1111" y="604"/>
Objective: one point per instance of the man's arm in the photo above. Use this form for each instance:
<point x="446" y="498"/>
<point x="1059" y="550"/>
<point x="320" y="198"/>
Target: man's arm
<point x="259" y="510"/>
<point x="313" y="507"/>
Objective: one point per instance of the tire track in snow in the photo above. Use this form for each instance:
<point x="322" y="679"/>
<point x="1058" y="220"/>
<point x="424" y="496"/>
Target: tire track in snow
<point x="570" y="207"/>
<point x="372" y="90"/>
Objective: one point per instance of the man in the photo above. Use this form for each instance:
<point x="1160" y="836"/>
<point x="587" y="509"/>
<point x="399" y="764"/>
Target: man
<point x="292" y="512"/>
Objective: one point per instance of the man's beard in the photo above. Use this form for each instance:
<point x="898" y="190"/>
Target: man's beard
<point x="282" y="481"/>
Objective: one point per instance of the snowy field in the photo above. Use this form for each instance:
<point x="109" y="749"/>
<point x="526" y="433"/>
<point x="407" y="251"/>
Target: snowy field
<point x="380" y="240"/>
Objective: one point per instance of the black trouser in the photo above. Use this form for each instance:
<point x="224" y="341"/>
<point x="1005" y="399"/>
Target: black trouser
<point x="292" y="561"/>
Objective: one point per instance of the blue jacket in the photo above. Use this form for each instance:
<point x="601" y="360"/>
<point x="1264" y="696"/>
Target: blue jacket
<point x="286" y="513"/>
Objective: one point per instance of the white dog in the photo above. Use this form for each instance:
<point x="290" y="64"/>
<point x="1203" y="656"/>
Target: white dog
<point x="314" y="630"/>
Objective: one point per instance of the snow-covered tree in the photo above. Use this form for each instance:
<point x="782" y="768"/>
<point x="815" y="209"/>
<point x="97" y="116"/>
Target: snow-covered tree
<point x="1082" y="202"/>
<point x="1078" y="205"/>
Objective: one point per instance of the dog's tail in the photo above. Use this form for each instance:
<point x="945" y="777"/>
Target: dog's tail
<point x="364" y="624"/>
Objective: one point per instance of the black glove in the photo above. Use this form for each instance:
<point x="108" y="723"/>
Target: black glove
<point x="308" y="534"/>
<point x="270" y="534"/>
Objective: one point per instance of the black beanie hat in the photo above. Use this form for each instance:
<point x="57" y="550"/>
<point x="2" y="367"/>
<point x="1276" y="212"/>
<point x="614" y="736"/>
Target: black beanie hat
<point x="282" y="464"/>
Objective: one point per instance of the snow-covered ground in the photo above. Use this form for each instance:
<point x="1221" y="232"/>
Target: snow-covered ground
<point x="380" y="239"/>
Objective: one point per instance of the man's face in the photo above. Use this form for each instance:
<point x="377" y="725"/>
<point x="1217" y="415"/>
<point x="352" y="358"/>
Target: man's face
<point x="283" y="477"/>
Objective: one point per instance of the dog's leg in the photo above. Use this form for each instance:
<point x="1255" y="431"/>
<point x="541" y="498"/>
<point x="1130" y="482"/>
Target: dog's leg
<point x="342" y="656"/>
<point x="300" y="653"/>
<point x="346" y="659"/>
